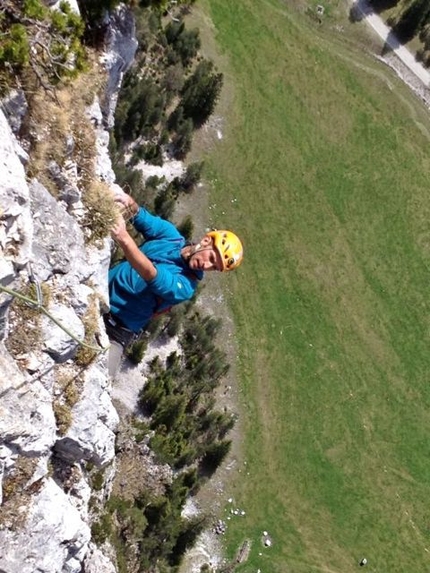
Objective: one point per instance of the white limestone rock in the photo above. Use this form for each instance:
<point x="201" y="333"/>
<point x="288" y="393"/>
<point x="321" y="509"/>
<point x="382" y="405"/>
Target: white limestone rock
<point x="99" y="261"/>
<point x="121" y="49"/>
<point x="58" y="343"/>
<point x="58" y="245"/>
<point x="15" y="217"/>
<point x="97" y="562"/>
<point x="80" y="493"/>
<point x="54" y="538"/>
<point x="27" y="423"/>
<point x="91" y="435"/>
<point x="15" y="107"/>
<point x="53" y="535"/>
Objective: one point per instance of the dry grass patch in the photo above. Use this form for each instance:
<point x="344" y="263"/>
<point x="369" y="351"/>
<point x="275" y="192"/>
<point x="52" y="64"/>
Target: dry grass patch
<point x="70" y="386"/>
<point x="85" y="355"/>
<point x="62" y="135"/>
<point x="25" y="320"/>
<point x="59" y="128"/>
<point x="101" y="213"/>
<point x="17" y="494"/>
<point x="63" y="417"/>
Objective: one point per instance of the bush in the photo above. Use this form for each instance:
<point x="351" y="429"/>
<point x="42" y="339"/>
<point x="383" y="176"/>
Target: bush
<point x="201" y="92"/>
<point x="214" y="456"/>
<point x="186" y="228"/>
<point x="102" y="529"/>
<point x="185" y="43"/>
<point x="164" y="203"/>
<point x="173" y="80"/>
<point x="174" y="322"/>
<point x="192" y="176"/>
<point x="136" y="351"/>
<point x="49" y="42"/>
<point x="182" y="139"/>
<point x="140" y="108"/>
<point x="14" y="49"/>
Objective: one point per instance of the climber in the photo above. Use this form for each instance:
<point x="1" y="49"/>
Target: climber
<point x="163" y="272"/>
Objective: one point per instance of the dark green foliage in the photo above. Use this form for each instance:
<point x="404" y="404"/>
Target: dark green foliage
<point x="130" y="527"/>
<point x="412" y="20"/>
<point x="101" y="529"/>
<point x="189" y="434"/>
<point x="153" y="182"/>
<point x="145" y="96"/>
<point x="190" y="531"/>
<point x="171" y="413"/>
<point x="381" y="5"/>
<point x="136" y="351"/>
<point x="14" y="48"/>
<point x="164" y="59"/>
<point x="214" y="456"/>
<point x="140" y="108"/>
<point x="182" y="139"/>
<point x="184" y="43"/>
<point x="173" y="80"/>
<point x="130" y="179"/>
<point x="147" y="25"/>
<point x="215" y="424"/>
<point x="164" y="520"/>
<point x="150" y="152"/>
<point x="151" y="3"/>
<point x="192" y="176"/>
<point x="176" y="118"/>
<point x="140" y="428"/>
<point x="48" y="42"/>
<point x="423" y="55"/>
<point x="425" y="34"/>
<point x="174" y="319"/>
<point x="164" y="203"/>
<point x="186" y="227"/>
<point x="188" y="181"/>
<point x="180" y="402"/>
<point x="201" y="92"/>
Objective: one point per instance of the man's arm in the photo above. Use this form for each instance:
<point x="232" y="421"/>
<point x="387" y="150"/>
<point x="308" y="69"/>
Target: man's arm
<point x="134" y="256"/>
<point x="151" y="226"/>
<point x="129" y="205"/>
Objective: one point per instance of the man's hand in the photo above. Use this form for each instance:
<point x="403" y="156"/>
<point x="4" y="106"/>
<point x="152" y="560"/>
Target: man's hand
<point x="119" y="231"/>
<point x="130" y="207"/>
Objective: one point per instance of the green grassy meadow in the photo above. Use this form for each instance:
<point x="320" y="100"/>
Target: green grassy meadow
<point x="324" y="170"/>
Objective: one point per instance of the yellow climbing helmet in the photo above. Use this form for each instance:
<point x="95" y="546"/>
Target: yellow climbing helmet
<point x="229" y="247"/>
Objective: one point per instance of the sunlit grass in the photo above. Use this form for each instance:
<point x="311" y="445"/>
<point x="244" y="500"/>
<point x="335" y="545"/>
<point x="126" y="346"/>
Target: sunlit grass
<point x="323" y="170"/>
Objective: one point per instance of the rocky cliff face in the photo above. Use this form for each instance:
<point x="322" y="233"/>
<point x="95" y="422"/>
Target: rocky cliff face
<point x="57" y="421"/>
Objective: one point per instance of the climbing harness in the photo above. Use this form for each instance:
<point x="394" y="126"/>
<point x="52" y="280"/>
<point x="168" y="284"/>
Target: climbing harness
<point x="118" y="332"/>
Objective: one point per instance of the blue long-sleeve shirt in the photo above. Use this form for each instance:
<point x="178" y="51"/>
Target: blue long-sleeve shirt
<point x="133" y="299"/>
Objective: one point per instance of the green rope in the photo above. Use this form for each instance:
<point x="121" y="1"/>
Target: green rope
<point x="49" y="315"/>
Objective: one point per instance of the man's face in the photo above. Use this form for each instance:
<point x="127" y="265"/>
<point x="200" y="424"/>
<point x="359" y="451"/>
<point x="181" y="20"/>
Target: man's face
<point x="206" y="257"/>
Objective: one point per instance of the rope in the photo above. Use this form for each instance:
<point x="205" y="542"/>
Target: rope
<point x="37" y="304"/>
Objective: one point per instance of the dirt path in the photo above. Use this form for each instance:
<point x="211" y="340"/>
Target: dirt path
<point x="366" y="13"/>
<point x="396" y="56"/>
